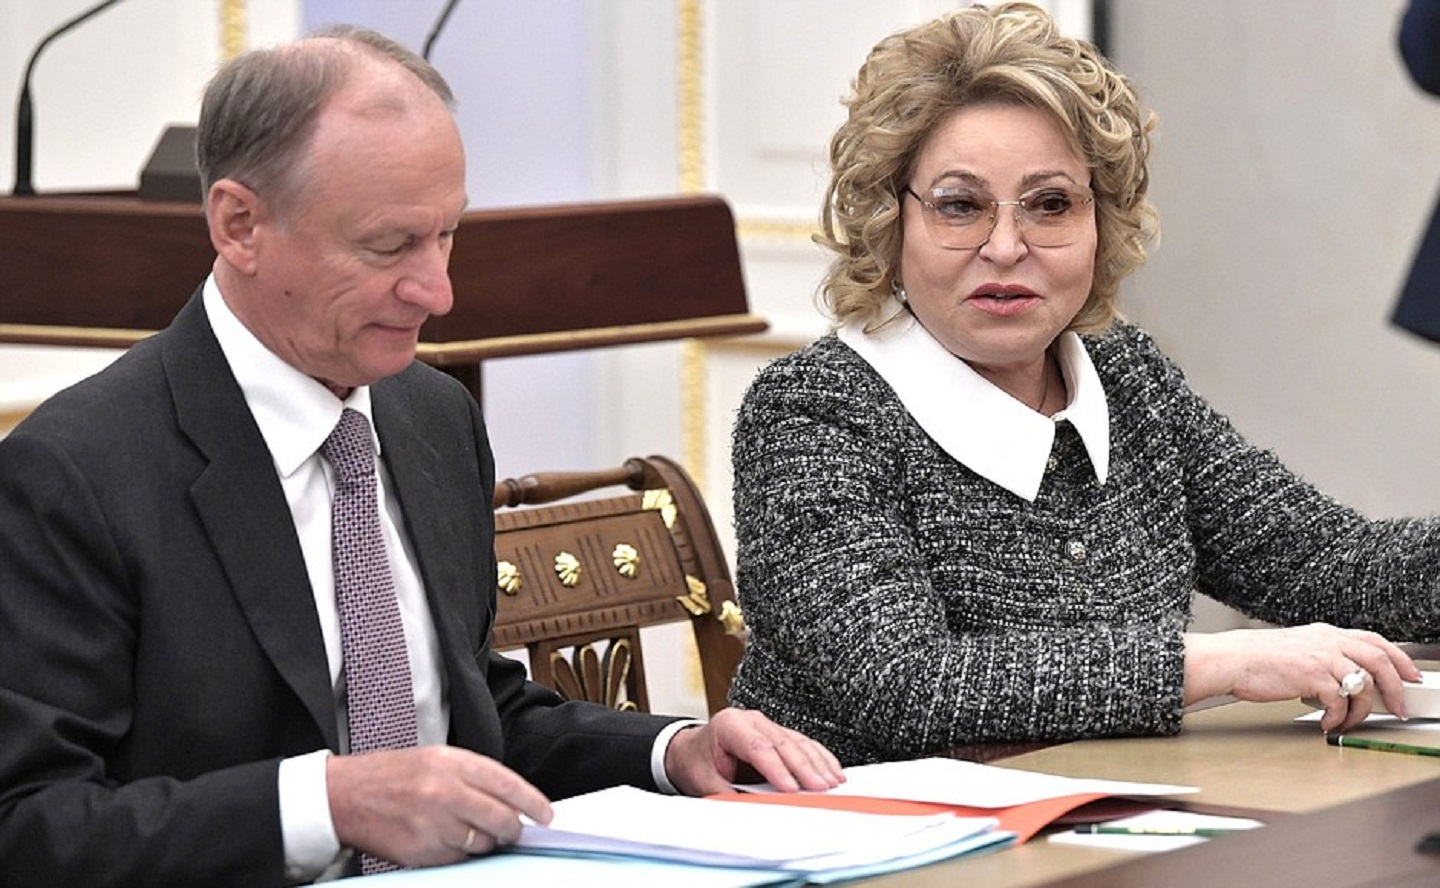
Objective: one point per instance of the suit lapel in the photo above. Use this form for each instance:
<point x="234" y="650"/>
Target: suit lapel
<point x="444" y="545"/>
<point x="243" y="509"/>
<point x="419" y="478"/>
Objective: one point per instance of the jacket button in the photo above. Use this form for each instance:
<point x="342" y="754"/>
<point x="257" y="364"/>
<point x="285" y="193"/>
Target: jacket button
<point x="1076" y="550"/>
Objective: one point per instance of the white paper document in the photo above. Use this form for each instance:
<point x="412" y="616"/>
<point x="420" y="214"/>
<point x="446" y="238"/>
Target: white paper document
<point x="1422" y="698"/>
<point x="953" y="782"/>
<point x="629" y="821"/>
<point x="651" y="837"/>
<point x="507" y="869"/>
<point x="1422" y="701"/>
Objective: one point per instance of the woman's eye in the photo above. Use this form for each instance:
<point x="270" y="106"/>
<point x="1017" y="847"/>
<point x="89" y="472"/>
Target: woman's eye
<point x="961" y="207"/>
<point x="1050" y="203"/>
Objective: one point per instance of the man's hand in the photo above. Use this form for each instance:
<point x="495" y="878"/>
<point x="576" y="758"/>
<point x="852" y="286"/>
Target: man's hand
<point x="428" y="805"/>
<point x="708" y="758"/>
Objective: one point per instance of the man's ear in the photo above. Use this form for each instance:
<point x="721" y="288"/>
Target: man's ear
<point x="233" y="212"/>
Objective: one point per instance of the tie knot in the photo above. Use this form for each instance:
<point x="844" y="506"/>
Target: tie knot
<point x="349" y="449"/>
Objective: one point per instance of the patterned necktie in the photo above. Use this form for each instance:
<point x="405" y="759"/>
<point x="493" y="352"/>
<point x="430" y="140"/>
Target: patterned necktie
<point x="372" y="640"/>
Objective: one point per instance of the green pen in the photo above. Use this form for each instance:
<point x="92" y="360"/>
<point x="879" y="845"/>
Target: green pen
<point x="1100" y="829"/>
<point x="1382" y="745"/>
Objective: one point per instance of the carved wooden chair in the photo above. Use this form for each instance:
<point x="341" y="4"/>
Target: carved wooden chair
<point x="578" y="579"/>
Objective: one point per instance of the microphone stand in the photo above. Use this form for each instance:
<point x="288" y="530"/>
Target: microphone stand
<point x="25" y="112"/>
<point x="438" y="27"/>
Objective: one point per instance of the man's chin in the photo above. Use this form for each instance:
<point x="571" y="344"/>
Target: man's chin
<point x="372" y="372"/>
<point x="389" y="364"/>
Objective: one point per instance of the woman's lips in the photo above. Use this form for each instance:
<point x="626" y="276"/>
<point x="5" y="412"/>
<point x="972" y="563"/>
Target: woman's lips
<point x="1004" y="302"/>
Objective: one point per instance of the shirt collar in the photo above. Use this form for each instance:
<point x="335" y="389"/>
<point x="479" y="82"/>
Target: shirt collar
<point x="973" y="420"/>
<point x="295" y="413"/>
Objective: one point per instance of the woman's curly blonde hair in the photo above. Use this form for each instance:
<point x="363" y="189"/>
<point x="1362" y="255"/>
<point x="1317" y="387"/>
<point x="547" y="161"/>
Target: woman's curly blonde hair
<point x="1012" y="53"/>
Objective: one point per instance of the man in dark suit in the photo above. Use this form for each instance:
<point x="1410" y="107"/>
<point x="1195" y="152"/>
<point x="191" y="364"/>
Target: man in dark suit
<point x="1418" y="309"/>
<point x="173" y="704"/>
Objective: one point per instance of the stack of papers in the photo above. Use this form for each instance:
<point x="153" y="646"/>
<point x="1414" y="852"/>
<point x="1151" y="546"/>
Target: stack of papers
<point x="630" y="822"/>
<point x="506" y="868"/>
<point x="955" y="782"/>
<point x="1023" y="802"/>
<point x="884" y="818"/>
<point x="1422" y="699"/>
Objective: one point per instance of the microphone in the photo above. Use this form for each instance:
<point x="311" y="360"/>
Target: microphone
<point x="25" y="112"/>
<point x="439" y="24"/>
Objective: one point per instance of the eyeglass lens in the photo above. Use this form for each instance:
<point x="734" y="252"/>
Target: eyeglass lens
<point x="962" y="220"/>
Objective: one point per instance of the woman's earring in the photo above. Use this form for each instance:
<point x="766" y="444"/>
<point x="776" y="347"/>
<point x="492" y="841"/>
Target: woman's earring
<point x="898" y="290"/>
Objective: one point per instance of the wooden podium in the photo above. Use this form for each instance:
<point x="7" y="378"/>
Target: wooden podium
<point x="108" y="270"/>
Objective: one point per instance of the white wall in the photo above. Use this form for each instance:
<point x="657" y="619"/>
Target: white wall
<point x="103" y="93"/>
<point x="1295" y="168"/>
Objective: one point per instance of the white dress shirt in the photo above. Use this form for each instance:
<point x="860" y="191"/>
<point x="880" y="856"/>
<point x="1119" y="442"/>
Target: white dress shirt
<point x="296" y="414"/>
<point x="971" y="418"/>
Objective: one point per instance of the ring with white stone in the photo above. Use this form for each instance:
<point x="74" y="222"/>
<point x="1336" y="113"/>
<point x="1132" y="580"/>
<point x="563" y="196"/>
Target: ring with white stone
<point x="1353" y="683"/>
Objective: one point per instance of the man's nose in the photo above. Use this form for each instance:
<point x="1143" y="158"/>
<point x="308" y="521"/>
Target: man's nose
<point x="427" y="282"/>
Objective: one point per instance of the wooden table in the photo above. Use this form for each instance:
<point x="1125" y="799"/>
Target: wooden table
<point x="1372" y="841"/>
<point x="1250" y="759"/>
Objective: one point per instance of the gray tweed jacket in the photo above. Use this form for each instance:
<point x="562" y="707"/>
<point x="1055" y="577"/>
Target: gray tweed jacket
<point x="901" y="604"/>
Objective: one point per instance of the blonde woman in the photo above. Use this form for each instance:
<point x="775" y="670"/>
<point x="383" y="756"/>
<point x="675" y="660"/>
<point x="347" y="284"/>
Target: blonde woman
<point x="980" y="508"/>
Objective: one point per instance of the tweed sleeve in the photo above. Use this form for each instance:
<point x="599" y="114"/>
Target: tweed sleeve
<point x="1267" y="542"/>
<point x="901" y="605"/>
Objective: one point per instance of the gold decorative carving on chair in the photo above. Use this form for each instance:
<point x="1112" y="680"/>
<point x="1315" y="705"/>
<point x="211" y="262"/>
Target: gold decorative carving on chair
<point x="696" y="600"/>
<point x="626" y="559"/>
<point x="581" y="624"/>
<point x="508" y="577"/>
<point x="732" y="619"/>
<point x="589" y="675"/>
<point x="662" y="501"/>
<point x="568" y="569"/>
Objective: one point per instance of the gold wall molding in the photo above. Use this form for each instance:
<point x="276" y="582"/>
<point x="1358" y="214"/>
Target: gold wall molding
<point x="232" y="29"/>
<point x="781" y="230"/>
<point x="694" y="356"/>
<point x="691" y="86"/>
<point x="691" y="120"/>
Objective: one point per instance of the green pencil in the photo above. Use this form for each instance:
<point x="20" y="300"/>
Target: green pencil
<point x="1198" y="831"/>
<point x="1382" y="745"/>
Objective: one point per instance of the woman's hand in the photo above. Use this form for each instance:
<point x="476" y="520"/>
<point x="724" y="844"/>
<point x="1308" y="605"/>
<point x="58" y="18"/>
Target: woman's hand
<point x="1264" y="665"/>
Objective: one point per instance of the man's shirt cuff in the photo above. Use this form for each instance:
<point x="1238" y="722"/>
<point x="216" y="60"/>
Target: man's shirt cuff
<point x="657" y="753"/>
<point x="305" y="825"/>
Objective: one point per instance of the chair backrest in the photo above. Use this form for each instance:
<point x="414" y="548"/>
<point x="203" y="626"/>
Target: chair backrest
<point x="578" y="579"/>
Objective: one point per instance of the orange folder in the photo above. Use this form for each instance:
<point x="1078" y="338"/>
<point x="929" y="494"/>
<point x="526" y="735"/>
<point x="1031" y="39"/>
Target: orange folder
<point x="1023" y="820"/>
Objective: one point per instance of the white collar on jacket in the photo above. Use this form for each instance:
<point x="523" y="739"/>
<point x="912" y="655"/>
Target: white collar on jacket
<point x="973" y="420"/>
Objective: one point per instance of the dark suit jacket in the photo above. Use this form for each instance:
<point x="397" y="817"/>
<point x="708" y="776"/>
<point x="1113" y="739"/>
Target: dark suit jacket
<point x="159" y="647"/>
<point x="1419" y="307"/>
